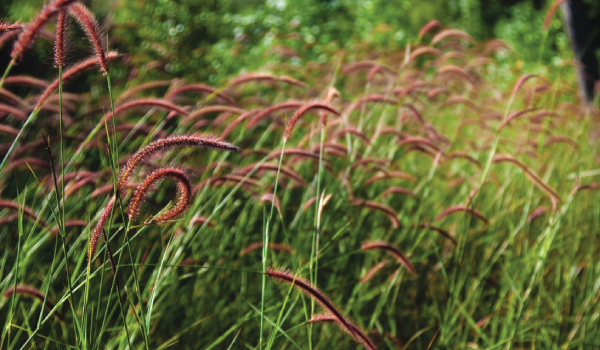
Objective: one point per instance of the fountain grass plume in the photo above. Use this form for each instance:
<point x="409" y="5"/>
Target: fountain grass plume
<point x="199" y="88"/>
<point x="7" y="26"/>
<point x="463" y="208"/>
<point x="29" y="32"/>
<point x="69" y="73"/>
<point x="323" y="300"/>
<point x="384" y="175"/>
<point x="302" y="110"/>
<point x="146" y="86"/>
<point x="184" y="191"/>
<point x="535" y="178"/>
<point x="24" y="209"/>
<point x="257" y="76"/>
<point x="23" y="80"/>
<point x="428" y="27"/>
<point x="395" y="252"/>
<point x="284" y="105"/>
<point x="211" y="109"/>
<point x="59" y="43"/>
<point x="152" y="102"/>
<point x="452" y="34"/>
<point x="99" y="227"/>
<point x="169" y="143"/>
<point x="389" y="212"/>
<point x="13" y="110"/>
<point x="33" y="293"/>
<point x="88" y="23"/>
<point x="373" y="271"/>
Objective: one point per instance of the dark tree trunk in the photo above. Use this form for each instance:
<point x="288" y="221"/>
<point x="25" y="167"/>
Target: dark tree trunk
<point x="578" y="28"/>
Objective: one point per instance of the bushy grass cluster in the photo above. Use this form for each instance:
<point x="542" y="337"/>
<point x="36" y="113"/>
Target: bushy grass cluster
<point x="409" y="200"/>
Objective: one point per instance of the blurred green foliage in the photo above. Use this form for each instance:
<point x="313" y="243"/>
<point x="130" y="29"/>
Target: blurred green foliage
<point x="208" y="40"/>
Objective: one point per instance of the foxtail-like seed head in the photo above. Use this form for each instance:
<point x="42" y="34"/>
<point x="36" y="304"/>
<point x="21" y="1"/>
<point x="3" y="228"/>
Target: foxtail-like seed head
<point x="167" y="144"/>
<point x="59" y="43"/>
<point x="184" y="191"/>
<point x="29" y="32"/>
<point x="90" y="26"/>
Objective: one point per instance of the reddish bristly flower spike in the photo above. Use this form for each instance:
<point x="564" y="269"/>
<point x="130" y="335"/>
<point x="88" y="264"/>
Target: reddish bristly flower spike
<point x="425" y="50"/>
<point x="142" y="87"/>
<point x="69" y="73"/>
<point x="537" y="212"/>
<point x="59" y="43"/>
<point x="535" y="178"/>
<point x="373" y="271"/>
<point x="13" y="110"/>
<point x="29" y="32"/>
<point x="463" y="208"/>
<point x="429" y="26"/>
<point x="150" y="102"/>
<point x="395" y="252"/>
<point x="7" y="26"/>
<point x="389" y="212"/>
<point x="97" y="231"/>
<point x="24" y="209"/>
<point x="353" y="131"/>
<point x="24" y="80"/>
<point x="266" y="77"/>
<point x="415" y="113"/>
<point x="522" y="79"/>
<point x="328" y="318"/>
<point x="397" y="190"/>
<point x="184" y="191"/>
<point x="211" y="109"/>
<point x="515" y="115"/>
<point x="285" y="105"/>
<point x="33" y="293"/>
<point x="200" y="88"/>
<point x="442" y="232"/>
<point x="320" y="298"/>
<point x="169" y="143"/>
<point x="366" y="65"/>
<point x="452" y="33"/>
<point x="390" y="175"/>
<point x="302" y="110"/>
<point x="88" y="22"/>
<point x="201" y="220"/>
<point x="555" y="5"/>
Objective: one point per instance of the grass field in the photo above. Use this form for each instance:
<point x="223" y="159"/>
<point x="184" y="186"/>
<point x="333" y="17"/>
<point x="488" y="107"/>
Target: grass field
<point x="438" y="198"/>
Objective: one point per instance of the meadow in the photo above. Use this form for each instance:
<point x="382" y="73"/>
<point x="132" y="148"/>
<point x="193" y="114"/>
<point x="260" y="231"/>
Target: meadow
<point x="431" y="197"/>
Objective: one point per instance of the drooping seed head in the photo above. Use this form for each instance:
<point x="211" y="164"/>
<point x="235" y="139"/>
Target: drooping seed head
<point x="395" y="252"/>
<point x="169" y="143"/>
<point x="321" y="298"/>
<point x="69" y="73"/>
<point x="184" y="191"/>
<point x="7" y="26"/>
<point x="302" y="110"/>
<point x="33" y="293"/>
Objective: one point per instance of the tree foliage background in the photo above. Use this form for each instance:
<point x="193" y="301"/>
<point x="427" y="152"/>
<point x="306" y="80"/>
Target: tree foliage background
<point x="209" y="39"/>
